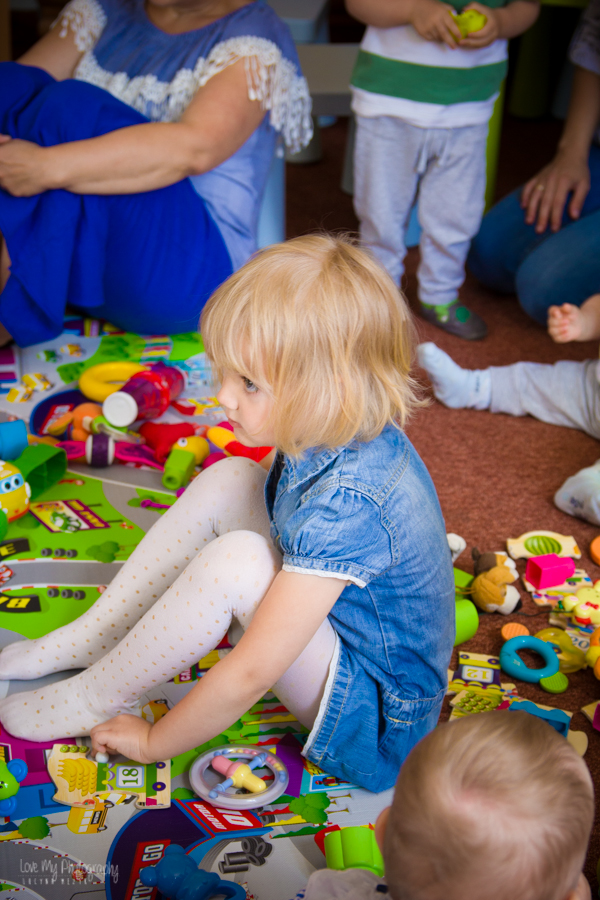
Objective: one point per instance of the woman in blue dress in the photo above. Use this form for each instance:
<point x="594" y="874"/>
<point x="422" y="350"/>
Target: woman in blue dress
<point x="135" y="142"/>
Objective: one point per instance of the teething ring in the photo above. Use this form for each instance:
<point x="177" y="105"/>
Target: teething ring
<point x="204" y="779"/>
<point x="98" y="382"/>
<point x="514" y="666"/>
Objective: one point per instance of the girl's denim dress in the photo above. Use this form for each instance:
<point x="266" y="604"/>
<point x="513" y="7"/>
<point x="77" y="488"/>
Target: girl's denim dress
<point x="369" y="512"/>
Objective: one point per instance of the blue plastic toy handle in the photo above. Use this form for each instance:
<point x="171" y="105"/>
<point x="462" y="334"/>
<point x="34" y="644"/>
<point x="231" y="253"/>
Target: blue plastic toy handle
<point x="231" y="890"/>
<point x="258" y="761"/>
<point x="220" y="788"/>
<point x="18" y="768"/>
<point x="8" y="806"/>
<point x="514" y="666"/>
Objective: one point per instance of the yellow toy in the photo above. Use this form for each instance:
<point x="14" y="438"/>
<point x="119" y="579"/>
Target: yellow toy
<point x="571" y="658"/>
<point x="469" y="21"/>
<point x="239" y="775"/>
<point x="36" y="381"/>
<point x="592" y="657"/>
<point x="220" y="437"/>
<point x="196" y="445"/>
<point x="80" y="780"/>
<point x="584" y="605"/>
<point x="14" y="492"/>
<point x="98" y="382"/>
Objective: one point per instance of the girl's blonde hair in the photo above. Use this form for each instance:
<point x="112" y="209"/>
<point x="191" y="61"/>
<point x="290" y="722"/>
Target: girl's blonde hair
<point x="319" y="325"/>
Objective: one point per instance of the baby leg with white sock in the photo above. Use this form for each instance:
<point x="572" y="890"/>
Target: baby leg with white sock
<point x="226" y="497"/>
<point x="453" y="386"/>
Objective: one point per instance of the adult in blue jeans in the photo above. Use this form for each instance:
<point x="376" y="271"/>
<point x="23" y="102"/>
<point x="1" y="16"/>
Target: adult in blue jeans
<point x="542" y="242"/>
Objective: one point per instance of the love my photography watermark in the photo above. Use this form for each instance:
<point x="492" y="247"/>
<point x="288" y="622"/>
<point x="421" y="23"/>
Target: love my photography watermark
<point x="64" y="871"/>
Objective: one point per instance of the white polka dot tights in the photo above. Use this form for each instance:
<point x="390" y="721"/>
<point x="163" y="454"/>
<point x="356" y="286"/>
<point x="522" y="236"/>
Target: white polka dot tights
<point x="207" y="561"/>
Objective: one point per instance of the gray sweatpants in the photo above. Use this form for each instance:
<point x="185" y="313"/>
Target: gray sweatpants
<point x="566" y="393"/>
<point x="446" y="167"/>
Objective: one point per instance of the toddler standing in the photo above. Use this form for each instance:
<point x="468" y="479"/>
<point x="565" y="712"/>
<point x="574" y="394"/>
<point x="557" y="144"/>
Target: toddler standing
<point x="336" y="564"/>
<point x="423" y="98"/>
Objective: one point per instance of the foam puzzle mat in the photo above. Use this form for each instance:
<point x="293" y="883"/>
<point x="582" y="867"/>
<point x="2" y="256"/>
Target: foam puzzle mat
<point x="54" y="563"/>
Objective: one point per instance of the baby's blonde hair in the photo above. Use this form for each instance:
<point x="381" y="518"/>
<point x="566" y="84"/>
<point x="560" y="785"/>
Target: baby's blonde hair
<point x="321" y="326"/>
<point x="495" y="805"/>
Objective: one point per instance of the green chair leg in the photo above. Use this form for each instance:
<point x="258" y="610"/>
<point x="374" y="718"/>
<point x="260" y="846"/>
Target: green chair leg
<point x="493" y="148"/>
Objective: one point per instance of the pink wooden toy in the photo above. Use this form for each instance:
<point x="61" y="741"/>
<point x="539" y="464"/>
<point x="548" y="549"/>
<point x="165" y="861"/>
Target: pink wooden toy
<point x="548" y="571"/>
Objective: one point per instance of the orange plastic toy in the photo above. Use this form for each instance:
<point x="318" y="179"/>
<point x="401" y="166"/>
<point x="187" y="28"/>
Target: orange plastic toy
<point x="513" y="629"/>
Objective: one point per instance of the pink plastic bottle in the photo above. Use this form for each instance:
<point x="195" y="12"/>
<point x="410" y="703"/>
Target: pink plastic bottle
<point x="146" y="395"/>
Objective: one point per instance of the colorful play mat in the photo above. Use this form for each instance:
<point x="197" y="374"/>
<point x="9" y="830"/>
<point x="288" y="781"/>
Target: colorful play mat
<point x="52" y="568"/>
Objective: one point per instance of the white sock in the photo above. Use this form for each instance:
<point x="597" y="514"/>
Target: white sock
<point x="226" y="497"/>
<point x="455" y="387"/>
<point x="580" y="494"/>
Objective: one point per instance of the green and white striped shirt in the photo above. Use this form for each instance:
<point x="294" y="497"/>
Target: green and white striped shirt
<point x="399" y="73"/>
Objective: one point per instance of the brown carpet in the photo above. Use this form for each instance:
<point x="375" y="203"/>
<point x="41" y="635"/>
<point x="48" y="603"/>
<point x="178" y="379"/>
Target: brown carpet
<point x="495" y="475"/>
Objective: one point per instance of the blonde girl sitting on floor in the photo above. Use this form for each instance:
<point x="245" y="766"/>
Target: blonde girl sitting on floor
<point x="336" y="564"/>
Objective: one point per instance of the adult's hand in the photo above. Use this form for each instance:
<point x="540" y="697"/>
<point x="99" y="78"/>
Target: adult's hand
<point x="545" y="195"/>
<point x="22" y="167"/>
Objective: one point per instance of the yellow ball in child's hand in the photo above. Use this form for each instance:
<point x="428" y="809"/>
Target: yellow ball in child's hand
<point x="470" y="20"/>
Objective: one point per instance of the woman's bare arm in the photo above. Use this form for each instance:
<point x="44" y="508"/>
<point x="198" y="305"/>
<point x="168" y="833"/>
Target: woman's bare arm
<point x="55" y="54"/>
<point x="545" y="195"/>
<point x="220" y="118"/>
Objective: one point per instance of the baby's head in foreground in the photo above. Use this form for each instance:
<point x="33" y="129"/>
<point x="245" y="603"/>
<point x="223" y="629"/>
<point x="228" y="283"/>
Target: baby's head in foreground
<point x="495" y="805"/>
<point x="319" y="328"/>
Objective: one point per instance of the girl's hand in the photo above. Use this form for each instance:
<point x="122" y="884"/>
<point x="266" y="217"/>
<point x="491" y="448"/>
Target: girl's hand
<point x="125" y="734"/>
<point x="432" y="20"/>
<point x="22" y="167"/>
<point x="545" y="195"/>
<point x="486" y="35"/>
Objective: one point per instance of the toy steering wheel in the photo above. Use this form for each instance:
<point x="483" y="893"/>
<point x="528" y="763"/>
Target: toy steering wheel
<point x="204" y="779"/>
<point x="514" y="666"/>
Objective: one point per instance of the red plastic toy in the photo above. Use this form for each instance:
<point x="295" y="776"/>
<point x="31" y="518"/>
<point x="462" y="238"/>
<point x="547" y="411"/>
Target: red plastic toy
<point x="548" y="571"/>
<point x="161" y="437"/>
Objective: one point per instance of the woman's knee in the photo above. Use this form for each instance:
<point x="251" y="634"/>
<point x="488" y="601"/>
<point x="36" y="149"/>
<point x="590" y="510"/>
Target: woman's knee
<point x="537" y="289"/>
<point x="562" y="269"/>
<point x="500" y="245"/>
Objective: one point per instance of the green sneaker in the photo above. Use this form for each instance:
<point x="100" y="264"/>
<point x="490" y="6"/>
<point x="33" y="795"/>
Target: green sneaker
<point x="456" y="319"/>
